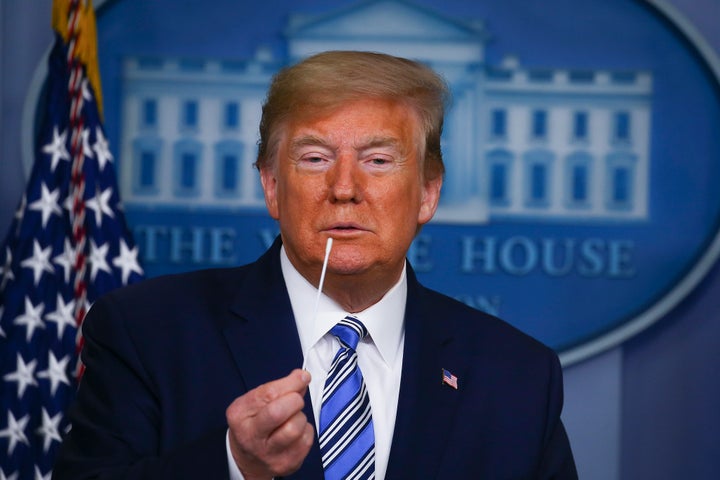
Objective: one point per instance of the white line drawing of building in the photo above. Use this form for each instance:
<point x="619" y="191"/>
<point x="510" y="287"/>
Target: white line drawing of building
<point x="551" y="144"/>
<point x="189" y="131"/>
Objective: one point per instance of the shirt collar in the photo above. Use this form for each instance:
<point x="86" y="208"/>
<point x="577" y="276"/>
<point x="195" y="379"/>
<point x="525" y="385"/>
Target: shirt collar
<point x="384" y="320"/>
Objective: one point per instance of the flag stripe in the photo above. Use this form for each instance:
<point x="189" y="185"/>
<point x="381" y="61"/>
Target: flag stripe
<point x="51" y="257"/>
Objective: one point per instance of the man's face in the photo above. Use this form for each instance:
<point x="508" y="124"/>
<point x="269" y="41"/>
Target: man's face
<point x="354" y="174"/>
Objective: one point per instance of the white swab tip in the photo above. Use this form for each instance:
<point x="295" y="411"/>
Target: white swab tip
<point x="328" y="245"/>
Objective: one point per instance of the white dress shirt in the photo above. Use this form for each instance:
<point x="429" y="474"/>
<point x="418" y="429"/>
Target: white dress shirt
<point x="380" y="354"/>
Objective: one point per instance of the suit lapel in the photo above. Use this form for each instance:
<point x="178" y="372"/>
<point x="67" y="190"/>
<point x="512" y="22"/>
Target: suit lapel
<point x="261" y="333"/>
<point x="426" y="406"/>
<point x="260" y="330"/>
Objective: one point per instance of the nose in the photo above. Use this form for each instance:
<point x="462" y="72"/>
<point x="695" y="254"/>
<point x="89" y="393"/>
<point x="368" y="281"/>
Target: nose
<point x="345" y="182"/>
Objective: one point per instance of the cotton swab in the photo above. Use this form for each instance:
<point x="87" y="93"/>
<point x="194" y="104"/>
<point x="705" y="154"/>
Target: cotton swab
<point x="328" y="247"/>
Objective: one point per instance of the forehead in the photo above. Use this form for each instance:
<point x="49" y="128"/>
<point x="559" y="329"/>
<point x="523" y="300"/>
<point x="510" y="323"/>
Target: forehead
<point x="365" y="122"/>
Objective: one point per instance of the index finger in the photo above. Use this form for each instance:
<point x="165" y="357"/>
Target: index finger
<point x="297" y="381"/>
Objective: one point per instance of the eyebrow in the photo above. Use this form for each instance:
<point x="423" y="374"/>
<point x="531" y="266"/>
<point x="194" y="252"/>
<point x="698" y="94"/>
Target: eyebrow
<point x="307" y="140"/>
<point x="371" y="142"/>
<point x="381" y="142"/>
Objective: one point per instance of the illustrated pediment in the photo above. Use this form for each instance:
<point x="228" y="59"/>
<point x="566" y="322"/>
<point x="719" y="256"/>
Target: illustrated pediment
<point x="383" y="18"/>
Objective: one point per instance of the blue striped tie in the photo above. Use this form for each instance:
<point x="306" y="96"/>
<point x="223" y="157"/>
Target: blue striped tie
<point x="347" y="437"/>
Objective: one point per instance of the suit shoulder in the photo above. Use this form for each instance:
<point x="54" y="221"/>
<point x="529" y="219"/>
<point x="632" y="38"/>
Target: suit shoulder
<point x="181" y="287"/>
<point x="488" y="331"/>
<point x="170" y="300"/>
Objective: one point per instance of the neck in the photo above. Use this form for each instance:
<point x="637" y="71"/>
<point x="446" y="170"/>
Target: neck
<point x="354" y="295"/>
<point x="353" y="291"/>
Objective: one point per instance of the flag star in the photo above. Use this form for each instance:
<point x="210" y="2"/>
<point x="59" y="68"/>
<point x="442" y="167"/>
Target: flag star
<point x="49" y="431"/>
<point x="66" y="260"/>
<point x="63" y="315"/>
<point x="102" y="148"/>
<point x="32" y="318"/>
<point x="20" y="212"/>
<point x="24" y="375"/>
<point x="100" y="204"/>
<point x="40" y="476"/>
<point x="39" y="261"/>
<point x="87" y="151"/>
<point x="56" y="372"/>
<point x="15" y="431"/>
<point x="57" y="148"/>
<point x="127" y="261"/>
<point x="13" y="476"/>
<point x="47" y="204"/>
<point x="6" y="269"/>
<point x="85" y="89"/>
<point x="98" y="259"/>
<point x="2" y="332"/>
<point x="68" y="203"/>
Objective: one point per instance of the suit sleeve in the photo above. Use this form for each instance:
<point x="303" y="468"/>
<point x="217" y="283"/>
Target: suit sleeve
<point x="557" y="461"/>
<point x="116" y="419"/>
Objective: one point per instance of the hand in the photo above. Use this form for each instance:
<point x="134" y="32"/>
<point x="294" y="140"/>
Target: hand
<point x="269" y="433"/>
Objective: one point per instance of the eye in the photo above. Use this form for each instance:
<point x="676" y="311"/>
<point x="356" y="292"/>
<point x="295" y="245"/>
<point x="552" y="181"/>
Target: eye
<point x="379" y="163"/>
<point x="313" y="162"/>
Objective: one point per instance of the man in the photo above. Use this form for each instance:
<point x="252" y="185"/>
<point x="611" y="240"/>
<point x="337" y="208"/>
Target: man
<point x="198" y="375"/>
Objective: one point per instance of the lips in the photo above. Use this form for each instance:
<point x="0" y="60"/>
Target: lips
<point x="345" y="227"/>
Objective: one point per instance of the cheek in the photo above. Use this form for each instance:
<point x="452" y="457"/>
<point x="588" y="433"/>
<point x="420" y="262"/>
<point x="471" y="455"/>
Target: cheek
<point x="401" y="209"/>
<point x="300" y="197"/>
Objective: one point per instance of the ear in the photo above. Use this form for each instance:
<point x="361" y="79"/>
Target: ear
<point x="430" y="199"/>
<point x="268" y="178"/>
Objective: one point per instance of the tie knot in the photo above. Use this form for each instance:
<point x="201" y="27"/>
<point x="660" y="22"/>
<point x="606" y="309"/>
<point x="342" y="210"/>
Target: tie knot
<point x="349" y="331"/>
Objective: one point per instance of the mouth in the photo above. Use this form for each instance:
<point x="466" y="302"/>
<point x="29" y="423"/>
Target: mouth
<point x="344" y="228"/>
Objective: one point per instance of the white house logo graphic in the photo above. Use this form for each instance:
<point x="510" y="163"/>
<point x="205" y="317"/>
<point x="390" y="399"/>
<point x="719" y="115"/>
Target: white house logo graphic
<point x="581" y="145"/>
<point x="550" y="143"/>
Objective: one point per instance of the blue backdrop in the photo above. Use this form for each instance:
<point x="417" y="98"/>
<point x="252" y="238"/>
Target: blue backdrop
<point x="646" y="409"/>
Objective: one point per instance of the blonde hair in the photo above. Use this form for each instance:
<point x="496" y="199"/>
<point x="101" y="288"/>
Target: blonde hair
<point x="329" y="79"/>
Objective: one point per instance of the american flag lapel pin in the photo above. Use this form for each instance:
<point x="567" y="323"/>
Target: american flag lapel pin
<point x="449" y="379"/>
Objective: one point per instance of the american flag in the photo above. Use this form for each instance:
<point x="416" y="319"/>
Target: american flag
<point x="67" y="245"/>
<point x="449" y="379"/>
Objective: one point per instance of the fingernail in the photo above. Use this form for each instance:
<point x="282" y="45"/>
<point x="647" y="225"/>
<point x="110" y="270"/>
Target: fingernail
<point x="305" y="376"/>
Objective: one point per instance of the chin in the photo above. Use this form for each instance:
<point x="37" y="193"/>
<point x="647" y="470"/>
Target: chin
<point x="343" y="262"/>
<point x="346" y="268"/>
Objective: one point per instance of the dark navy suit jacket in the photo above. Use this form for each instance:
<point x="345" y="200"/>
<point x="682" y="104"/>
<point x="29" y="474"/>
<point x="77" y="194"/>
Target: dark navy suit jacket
<point x="164" y="358"/>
